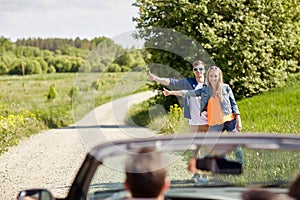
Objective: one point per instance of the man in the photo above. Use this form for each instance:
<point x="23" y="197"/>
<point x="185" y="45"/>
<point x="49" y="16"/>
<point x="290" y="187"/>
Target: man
<point x="197" y="121"/>
<point x="146" y="175"/>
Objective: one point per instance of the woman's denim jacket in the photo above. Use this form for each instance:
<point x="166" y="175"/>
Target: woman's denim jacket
<point x="185" y="84"/>
<point x="228" y="103"/>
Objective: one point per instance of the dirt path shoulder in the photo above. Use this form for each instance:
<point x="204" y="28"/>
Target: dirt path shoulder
<point x="51" y="159"/>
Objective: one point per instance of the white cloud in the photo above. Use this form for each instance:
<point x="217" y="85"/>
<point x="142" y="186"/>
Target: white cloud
<point x="65" y="18"/>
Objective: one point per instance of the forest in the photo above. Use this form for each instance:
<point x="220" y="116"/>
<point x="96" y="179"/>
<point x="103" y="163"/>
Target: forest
<point x="57" y="55"/>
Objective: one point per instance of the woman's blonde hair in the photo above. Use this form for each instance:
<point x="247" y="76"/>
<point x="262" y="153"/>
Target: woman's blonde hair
<point x="219" y="88"/>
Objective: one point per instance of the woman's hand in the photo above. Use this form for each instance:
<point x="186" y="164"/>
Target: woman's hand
<point x="238" y="123"/>
<point x="166" y="92"/>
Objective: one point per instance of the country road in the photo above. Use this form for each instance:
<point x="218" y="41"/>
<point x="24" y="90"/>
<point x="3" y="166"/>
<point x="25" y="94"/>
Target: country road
<point x="51" y="159"/>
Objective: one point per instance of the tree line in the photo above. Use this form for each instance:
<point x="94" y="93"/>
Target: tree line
<point x="57" y="55"/>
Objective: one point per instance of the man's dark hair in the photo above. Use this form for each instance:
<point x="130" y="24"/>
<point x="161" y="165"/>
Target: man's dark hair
<point x="258" y="194"/>
<point x="294" y="189"/>
<point x="197" y="63"/>
<point x="145" y="173"/>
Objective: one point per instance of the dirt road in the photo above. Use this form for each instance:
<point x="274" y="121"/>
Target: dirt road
<point x="51" y="159"/>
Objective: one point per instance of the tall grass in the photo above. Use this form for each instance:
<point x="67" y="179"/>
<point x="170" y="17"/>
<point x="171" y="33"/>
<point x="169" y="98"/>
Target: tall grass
<point x="26" y="110"/>
<point x="276" y="111"/>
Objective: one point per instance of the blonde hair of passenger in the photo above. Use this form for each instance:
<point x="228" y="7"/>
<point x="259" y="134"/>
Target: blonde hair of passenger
<point x="219" y="88"/>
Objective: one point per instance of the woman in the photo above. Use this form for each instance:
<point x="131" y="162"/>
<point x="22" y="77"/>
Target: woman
<point x="217" y="98"/>
<point x="219" y="102"/>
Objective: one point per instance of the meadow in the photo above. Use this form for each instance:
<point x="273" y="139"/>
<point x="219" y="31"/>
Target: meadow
<point x="26" y="108"/>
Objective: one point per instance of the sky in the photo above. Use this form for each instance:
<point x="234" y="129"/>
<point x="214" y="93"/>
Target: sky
<point x="66" y="18"/>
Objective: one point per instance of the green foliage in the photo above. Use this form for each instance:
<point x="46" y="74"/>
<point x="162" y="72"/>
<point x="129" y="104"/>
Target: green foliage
<point x="52" y="92"/>
<point x="97" y="84"/>
<point x="264" y="166"/>
<point x="113" y="68"/>
<point x="173" y="120"/>
<point x="74" y="91"/>
<point x="256" y="43"/>
<point x="138" y="115"/>
<point x="51" y="69"/>
<point x="55" y="117"/>
<point x="25" y="66"/>
<point x="5" y="44"/>
<point x="37" y="56"/>
<point x="14" y="127"/>
<point x="276" y="111"/>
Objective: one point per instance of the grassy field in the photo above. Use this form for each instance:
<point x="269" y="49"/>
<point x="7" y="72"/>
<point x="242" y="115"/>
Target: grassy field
<point x="26" y="110"/>
<point x="276" y="111"/>
<point x="30" y="92"/>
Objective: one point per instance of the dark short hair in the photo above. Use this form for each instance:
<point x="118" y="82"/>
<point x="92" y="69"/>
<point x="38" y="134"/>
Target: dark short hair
<point x="197" y="63"/>
<point x="294" y="189"/>
<point x="258" y="194"/>
<point x="145" y="173"/>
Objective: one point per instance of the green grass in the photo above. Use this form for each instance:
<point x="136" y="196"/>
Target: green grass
<point x="30" y="92"/>
<point x="276" y="111"/>
<point x="26" y="110"/>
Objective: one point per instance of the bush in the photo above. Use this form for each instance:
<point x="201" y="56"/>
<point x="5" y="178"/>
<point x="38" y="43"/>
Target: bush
<point x="138" y="115"/>
<point x="174" y="119"/>
<point x="74" y="91"/>
<point x="56" y="117"/>
<point x="113" y="68"/>
<point x="52" y="92"/>
<point x="17" y="126"/>
<point x="96" y="84"/>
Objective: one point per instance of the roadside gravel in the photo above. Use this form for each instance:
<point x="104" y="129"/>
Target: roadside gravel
<point x="51" y="159"/>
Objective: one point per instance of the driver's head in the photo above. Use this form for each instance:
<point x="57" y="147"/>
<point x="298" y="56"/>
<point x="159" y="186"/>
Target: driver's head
<point x="146" y="175"/>
<point x="294" y="189"/>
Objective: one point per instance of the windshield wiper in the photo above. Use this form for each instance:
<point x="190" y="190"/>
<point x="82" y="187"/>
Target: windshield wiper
<point x="277" y="183"/>
<point x="191" y="183"/>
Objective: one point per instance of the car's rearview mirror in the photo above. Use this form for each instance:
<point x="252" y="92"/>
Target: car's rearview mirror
<point x="35" y="194"/>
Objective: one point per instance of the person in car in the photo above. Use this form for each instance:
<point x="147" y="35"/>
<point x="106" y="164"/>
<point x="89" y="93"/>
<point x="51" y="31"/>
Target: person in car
<point x="218" y="99"/>
<point x="146" y="175"/>
<point x="197" y="121"/>
<point x="294" y="189"/>
<point x="262" y="194"/>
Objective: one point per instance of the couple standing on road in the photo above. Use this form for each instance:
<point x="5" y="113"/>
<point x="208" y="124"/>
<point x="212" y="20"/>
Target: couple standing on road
<point x="209" y="104"/>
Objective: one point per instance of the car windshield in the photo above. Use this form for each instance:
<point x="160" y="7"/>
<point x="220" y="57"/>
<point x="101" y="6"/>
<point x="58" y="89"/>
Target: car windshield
<point x="261" y="168"/>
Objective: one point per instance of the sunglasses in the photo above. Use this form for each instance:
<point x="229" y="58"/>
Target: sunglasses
<point x="197" y="69"/>
<point x="213" y="68"/>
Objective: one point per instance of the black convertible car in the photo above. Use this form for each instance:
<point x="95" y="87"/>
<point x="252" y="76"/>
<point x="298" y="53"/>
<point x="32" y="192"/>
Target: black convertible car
<point x="271" y="162"/>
